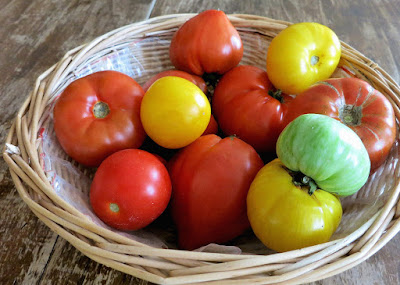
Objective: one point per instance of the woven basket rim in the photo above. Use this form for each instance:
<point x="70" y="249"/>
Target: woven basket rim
<point x="94" y="241"/>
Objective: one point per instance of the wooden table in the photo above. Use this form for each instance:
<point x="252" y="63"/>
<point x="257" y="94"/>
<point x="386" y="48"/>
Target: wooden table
<point x="35" y="34"/>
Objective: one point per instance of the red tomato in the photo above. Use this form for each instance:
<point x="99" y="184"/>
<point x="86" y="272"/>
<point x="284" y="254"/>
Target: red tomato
<point x="130" y="189"/>
<point x="212" y="127"/>
<point x="206" y="43"/>
<point x="192" y="78"/>
<point x="210" y="180"/>
<point x="243" y="107"/>
<point x="356" y="104"/>
<point x="98" y="115"/>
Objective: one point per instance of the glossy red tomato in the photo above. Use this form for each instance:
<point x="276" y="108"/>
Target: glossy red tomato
<point x="192" y="78"/>
<point x="98" y="115"/>
<point x="356" y="104"/>
<point x="210" y="180"/>
<point x="243" y="106"/>
<point x="206" y="43"/>
<point x="130" y="189"/>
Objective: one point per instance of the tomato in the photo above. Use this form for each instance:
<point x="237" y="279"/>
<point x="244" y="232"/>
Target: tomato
<point x="210" y="180"/>
<point x="206" y="43"/>
<point x="356" y="104"/>
<point x="130" y="189"/>
<point x="243" y="107"/>
<point x="98" y="115"/>
<point x="212" y="127"/>
<point x="301" y="55"/>
<point x="192" y="78"/>
<point x="326" y="151"/>
<point x="284" y="216"/>
<point x="174" y="112"/>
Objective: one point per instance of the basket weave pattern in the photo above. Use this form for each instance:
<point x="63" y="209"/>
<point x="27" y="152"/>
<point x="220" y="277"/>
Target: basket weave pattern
<point x="374" y="220"/>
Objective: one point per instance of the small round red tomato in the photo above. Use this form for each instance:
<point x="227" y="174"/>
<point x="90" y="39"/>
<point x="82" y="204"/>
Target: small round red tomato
<point x="243" y="106"/>
<point x="356" y="104"/>
<point x="98" y="115"/>
<point x="178" y="73"/>
<point x="211" y="178"/>
<point x="130" y="189"/>
<point x="207" y="43"/>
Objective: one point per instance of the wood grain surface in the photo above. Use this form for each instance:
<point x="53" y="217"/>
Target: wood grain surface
<point x="35" y="34"/>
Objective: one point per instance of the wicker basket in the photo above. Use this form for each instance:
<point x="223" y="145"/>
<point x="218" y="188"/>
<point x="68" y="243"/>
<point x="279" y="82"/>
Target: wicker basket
<point x="371" y="217"/>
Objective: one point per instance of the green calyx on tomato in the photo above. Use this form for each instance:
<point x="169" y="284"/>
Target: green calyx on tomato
<point x="299" y="179"/>
<point x="327" y="151"/>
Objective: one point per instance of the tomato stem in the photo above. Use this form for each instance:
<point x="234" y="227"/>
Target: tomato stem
<point x="314" y="60"/>
<point x="101" y="110"/>
<point x="277" y="94"/>
<point x="211" y="80"/>
<point x="302" y="180"/>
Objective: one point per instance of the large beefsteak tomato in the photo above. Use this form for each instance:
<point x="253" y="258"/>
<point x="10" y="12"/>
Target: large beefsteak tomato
<point x="284" y="216"/>
<point x="206" y="43"/>
<point x="244" y="105"/>
<point x="210" y="180"/>
<point x="356" y="104"/>
<point x="98" y="115"/>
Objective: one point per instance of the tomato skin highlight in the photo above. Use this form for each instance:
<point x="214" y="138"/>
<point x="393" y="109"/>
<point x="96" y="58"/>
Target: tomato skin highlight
<point x="286" y="217"/>
<point x="89" y="139"/>
<point x="301" y="55"/>
<point x="355" y="103"/>
<point x="133" y="183"/>
<point x="243" y="107"/>
<point x="206" y="43"/>
<point x="174" y="112"/>
<point x="211" y="178"/>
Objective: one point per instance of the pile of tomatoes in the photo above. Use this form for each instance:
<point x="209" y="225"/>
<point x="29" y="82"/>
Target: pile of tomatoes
<point x="328" y="136"/>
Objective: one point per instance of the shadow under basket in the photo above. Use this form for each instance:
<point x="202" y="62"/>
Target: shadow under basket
<point x="56" y="188"/>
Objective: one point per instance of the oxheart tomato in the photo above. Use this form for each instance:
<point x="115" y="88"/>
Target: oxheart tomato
<point x="206" y="43"/>
<point x="130" y="189"/>
<point x="301" y="55"/>
<point x="98" y="115"/>
<point x="174" y="112"/>
<point x="210" y="181"/>
<point x="212" y="127"/>
<point x="356" y="104"/>
<point x="244" y="105"/>
<point x="326" y="151"/>
<point x="284" y="216"/>
<point x="178" y="73"/>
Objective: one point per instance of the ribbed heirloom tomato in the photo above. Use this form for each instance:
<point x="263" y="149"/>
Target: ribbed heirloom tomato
<point x="98" y="115"/>
<point x="284" y="216"/>
<point x="210" y="180"/>
<point x="130" y="189"/>
<point x="206" y="43"/>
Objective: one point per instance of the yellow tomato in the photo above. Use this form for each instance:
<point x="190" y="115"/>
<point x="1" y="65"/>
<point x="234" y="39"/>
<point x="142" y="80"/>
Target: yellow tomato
<point x="174" y="112"/>
<point x="301" y="55"/>
<point x="285" y="216"/>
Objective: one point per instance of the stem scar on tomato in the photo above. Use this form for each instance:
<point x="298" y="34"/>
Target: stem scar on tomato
<point x="101" y="110"/>
<point x="314" y="60"/>
<point x="114" y="207"/>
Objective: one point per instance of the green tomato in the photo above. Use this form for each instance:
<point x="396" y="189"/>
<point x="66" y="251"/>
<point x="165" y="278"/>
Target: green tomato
<point x="327" y="151"/>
